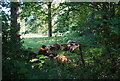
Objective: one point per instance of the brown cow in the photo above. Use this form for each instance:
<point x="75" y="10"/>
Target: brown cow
<point x="50" y="47"/>
<point x="43" y="51"/>
<point x="57" y="46"/>
<point x="64" y="47"/>
<point x="62" y="58"/>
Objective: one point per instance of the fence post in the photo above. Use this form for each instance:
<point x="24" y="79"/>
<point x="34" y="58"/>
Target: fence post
<point x="81" y="57"/>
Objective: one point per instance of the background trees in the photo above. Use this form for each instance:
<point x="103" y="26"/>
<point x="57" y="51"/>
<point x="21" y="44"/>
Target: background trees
<point x="42" y="19"/>
<point x="95" y="25"/>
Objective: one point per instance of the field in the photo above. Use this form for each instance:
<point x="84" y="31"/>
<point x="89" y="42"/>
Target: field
<point x="50" y="69"/>
<point x="34" y="44"/>
<point x="95" y="66"/>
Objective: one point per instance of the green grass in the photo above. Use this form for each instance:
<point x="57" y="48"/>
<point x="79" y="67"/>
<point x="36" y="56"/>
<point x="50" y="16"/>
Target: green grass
<point x="52" y="70"/>
<point x="34" y="44"/>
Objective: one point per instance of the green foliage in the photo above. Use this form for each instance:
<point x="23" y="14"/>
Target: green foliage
<point x="96" y="27"/>
<point x="97" y="65"/>
<point x="13" y="66"/>
<point x="34" y="22"/>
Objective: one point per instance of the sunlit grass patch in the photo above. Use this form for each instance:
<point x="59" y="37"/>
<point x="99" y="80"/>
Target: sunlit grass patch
<point x="35" y="43"/>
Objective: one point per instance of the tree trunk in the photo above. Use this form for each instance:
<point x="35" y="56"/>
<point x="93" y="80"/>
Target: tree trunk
<point x="49" y="20"/>
<point x="15" y="24"/>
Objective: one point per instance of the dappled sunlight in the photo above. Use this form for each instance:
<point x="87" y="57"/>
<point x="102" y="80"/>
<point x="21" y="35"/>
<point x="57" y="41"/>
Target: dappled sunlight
<point x="33" y="36"/>
<point x="54" y="40"/>
<point x="39" y="41"/>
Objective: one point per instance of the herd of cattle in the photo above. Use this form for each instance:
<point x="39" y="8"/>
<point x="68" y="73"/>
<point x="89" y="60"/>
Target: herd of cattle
<point x="50" y="50"/>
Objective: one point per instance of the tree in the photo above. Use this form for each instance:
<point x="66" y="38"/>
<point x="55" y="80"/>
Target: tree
<point x="41" y="16"/>
<point x="15" y="24"/>
<point x="107" y="12"/>
<point x="49" y="20"/>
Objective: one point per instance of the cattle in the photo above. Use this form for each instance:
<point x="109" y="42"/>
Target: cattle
<point x="54" y="56"/>
<point x="43" y="51"/>
<point x="57" y="46"/>
<point x="73" y="45"/>
<point x="64" y="47"/>
<point x="30" y="53"/>
<point x="62" y="58"/>
<point x="50" y="47"/>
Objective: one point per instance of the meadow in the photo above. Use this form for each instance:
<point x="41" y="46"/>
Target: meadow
<point x="95" y="63"/>
<point x="50" y="69"/>
<point x="33" y="44"/>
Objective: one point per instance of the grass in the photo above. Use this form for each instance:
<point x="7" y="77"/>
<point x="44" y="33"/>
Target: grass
<point x="34" y="44"/>
<point x="51" y="70"/>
